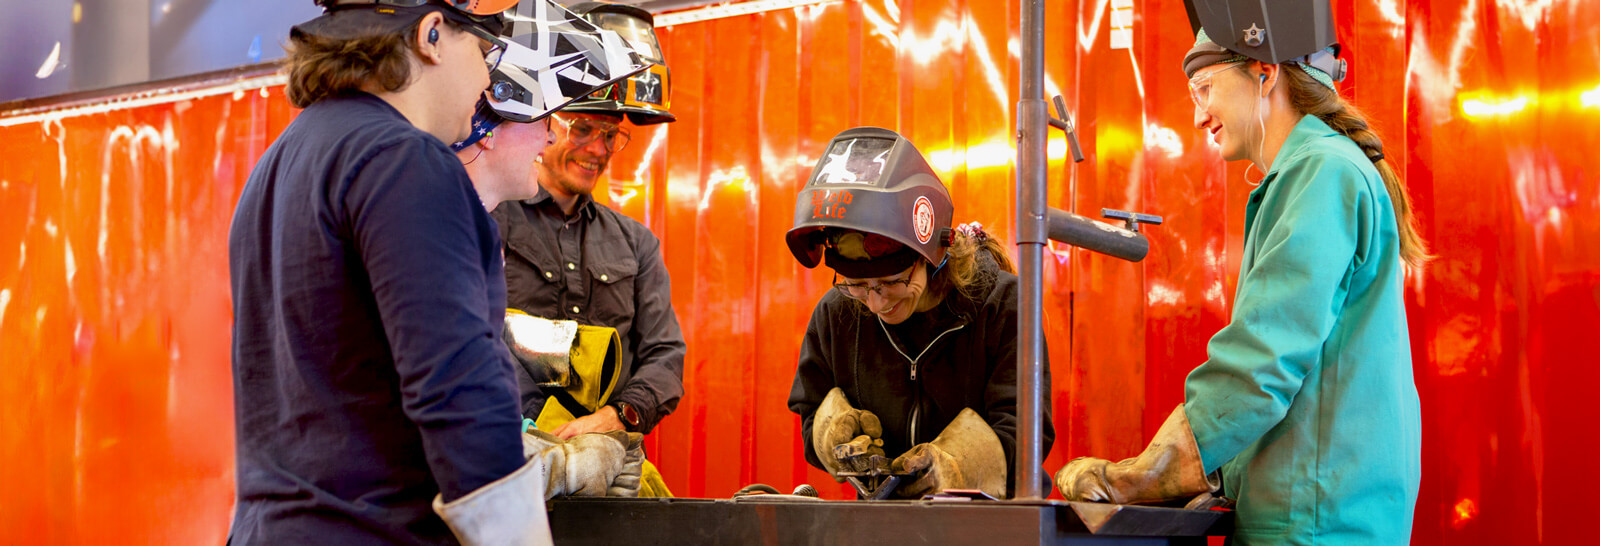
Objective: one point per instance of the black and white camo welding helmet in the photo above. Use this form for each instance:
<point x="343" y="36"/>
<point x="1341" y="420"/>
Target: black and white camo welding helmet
<point x="552" y="58"/>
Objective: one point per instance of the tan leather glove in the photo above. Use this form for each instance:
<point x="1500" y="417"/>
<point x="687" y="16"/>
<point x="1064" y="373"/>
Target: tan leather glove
<point x="837" y="422"/>
<point x="586" y="465"/>
<point x="966" y="455"/>
<point x="1168" y="470"/>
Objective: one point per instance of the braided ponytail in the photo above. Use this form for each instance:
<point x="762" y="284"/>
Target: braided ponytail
<point x="1312" y="98"/>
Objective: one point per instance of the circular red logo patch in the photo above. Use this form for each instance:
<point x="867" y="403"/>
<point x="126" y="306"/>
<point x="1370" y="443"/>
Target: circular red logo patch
<point x="922" y="219"/>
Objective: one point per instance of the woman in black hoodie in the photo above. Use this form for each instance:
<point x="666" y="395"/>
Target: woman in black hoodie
<point x="909" y="364"/>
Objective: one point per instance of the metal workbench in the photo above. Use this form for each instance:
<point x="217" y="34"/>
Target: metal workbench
<point x="751" y="520"/>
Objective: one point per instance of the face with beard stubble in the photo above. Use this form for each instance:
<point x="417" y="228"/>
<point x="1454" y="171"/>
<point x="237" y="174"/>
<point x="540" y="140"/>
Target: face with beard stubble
<point x="584" y="144"/>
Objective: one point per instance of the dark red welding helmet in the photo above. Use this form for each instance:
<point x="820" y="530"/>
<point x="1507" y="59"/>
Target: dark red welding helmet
<point x="872" y="206"/>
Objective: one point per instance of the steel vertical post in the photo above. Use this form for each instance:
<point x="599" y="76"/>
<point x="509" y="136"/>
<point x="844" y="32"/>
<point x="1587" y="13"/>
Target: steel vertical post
<point x="1032" y="124"/>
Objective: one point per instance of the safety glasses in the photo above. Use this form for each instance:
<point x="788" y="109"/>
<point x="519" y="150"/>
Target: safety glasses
<point x="860" y="290"/>
<point x="582" y="131"/>
<point x="1200" y="86"/>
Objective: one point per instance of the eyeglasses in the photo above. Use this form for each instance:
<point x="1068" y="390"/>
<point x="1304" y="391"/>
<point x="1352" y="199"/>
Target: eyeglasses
<point x="493" y="48"/>
<point x="1200" y="86"/>
<point x="859" y="291"/>
<point x="582" y="131"/>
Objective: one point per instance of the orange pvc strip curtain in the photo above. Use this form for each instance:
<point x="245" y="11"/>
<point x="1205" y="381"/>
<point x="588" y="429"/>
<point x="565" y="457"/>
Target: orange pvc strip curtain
<point x="114" y="322"/>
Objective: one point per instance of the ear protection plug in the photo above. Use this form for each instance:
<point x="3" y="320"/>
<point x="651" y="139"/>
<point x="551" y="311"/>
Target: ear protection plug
<point x="433" y="37"/>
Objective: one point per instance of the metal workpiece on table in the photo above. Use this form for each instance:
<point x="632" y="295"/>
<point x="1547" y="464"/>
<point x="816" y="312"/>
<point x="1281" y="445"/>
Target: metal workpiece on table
<point x="754" y="520"/>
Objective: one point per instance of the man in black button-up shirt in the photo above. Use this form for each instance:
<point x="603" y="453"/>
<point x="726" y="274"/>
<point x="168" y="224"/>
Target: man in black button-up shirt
<point x="569" y="258"/>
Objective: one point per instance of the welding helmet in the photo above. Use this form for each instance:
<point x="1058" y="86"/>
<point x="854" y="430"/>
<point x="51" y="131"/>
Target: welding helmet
<point x="871" y="207"/>
<point x="345" y="19"/>
<point x="1270" y="31"/>
<point x="552" y="58"/>
<point x="646" y="97"/>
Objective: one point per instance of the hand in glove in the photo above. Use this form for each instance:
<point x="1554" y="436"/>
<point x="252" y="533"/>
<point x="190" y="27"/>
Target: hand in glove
<point x="966" y="455"/>
<point x="627" y="482"/>
<point x="835" y="423"/>
<point x="586" y="465"/>
<point x="1168" y="470"/>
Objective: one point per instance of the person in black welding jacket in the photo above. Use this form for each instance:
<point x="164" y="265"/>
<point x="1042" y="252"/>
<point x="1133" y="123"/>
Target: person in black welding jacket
<point x="912" y="356"/>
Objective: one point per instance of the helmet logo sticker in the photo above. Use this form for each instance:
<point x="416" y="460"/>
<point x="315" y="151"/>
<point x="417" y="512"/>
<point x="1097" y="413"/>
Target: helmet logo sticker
<point x="830" y="203"/>
<point x="922" y="219"/>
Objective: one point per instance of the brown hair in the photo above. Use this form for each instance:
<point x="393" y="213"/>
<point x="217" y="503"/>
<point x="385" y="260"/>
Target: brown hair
<point x="321" y="67"/>
<point x="1311" y="97"/>
<point x="962" y="271"/>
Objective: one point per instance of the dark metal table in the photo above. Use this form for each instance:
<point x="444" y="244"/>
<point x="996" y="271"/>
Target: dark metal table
<point x="784" y="521"/>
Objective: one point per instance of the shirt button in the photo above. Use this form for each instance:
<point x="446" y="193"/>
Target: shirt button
<point x="548" y="275"/>
<point x="574" y="308"/>
<point x="571" y="265"/>
<point x="604" y="278"/>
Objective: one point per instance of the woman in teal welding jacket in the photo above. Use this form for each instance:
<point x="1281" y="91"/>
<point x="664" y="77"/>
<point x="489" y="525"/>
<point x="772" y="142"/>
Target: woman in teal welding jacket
<point x="1305" y="412"/>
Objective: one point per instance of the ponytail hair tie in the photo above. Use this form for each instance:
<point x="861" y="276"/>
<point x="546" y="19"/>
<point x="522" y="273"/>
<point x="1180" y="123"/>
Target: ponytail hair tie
<point x="1376" y="157"/>
<point x="974" y="231"/>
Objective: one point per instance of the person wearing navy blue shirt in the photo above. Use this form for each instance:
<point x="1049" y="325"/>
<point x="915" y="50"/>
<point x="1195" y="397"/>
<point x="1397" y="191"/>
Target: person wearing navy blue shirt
<point x="375" y="400"/>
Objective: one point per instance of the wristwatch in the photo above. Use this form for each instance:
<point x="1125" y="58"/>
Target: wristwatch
<point x="630" y="416"/>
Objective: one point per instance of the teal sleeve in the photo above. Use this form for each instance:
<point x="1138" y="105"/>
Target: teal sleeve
<point x="1291" y="291"/>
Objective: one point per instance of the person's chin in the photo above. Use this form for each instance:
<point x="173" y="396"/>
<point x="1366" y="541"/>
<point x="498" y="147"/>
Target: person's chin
<point x="896" y="314"/>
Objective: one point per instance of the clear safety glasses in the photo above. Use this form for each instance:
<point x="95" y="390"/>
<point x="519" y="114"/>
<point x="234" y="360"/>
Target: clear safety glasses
<point x="1200" y="86"/>
<point x="582" y="131"/>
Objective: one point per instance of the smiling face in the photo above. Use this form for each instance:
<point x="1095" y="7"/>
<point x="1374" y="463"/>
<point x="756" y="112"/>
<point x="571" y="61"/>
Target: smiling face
<point x="516" y="145"/>
<point x="1227" y="108"/>
<point x="893" y="298"/>
<point x="572" y="166"/>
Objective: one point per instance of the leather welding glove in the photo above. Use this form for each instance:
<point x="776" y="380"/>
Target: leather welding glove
<point x="1168" y="470"/>
<point x="836" y="422"/>
<point x="509" y="510"/>
<point x="627" y="483"/>
<point x="966" y="455"/>
<point x="585" y="466"/>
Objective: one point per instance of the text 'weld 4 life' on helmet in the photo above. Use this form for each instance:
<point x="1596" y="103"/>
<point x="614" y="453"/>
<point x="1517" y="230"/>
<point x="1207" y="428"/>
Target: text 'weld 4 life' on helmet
<point x="647" y="96"/>
<point x="554" y="57"/>
<point x="874" y="181"/>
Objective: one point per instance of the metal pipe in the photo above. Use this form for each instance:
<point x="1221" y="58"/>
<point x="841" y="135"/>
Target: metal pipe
<point x="1032" y="124"/>
<point x="1097" y="236"/>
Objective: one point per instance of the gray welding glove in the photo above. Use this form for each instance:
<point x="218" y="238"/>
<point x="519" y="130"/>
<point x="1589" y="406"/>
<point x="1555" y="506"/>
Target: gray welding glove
<point x="509" y="510"/>
<point x="1168" y="470"/>
<point x="586" y="465"/>
<point x="627" y="482"/>
<point x="837" y="422"/>
<point x="966" y="455"/>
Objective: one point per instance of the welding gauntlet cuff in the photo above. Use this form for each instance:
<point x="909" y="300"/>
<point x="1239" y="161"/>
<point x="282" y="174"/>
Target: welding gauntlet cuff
<point x="509" y="510"/>
<point x="966" y="455"/>
<point x="1168" y="470"/>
